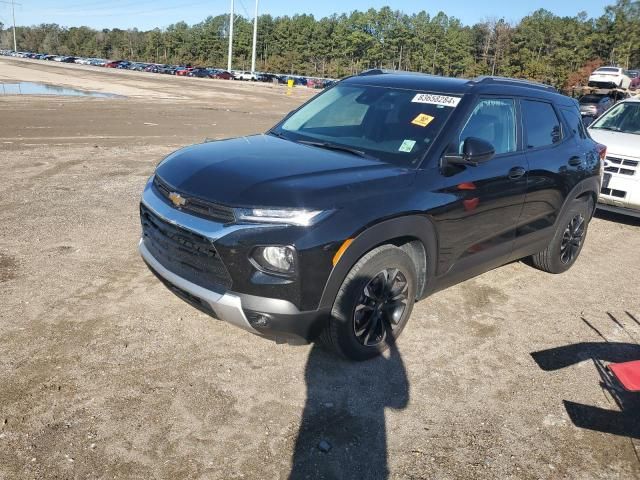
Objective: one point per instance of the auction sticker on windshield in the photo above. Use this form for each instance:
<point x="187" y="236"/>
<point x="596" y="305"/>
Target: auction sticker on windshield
<point x="432" y="99"/>
<point x="422" y="120"/>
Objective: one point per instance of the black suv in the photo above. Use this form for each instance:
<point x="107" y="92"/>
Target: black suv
<point x="374" y="194"/>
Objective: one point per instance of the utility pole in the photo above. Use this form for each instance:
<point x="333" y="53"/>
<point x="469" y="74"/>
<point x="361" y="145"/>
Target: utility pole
<point x="13" y="13"/>
<point x="255" y="39"/>
<point x="231" y="16"/>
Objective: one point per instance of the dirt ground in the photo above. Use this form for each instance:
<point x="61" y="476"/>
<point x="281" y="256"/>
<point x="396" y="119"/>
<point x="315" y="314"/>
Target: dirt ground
<point x="105" y="374"/>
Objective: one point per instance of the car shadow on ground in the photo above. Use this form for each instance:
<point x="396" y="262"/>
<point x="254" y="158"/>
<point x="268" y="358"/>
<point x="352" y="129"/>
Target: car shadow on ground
<point x="617" y="218"/>
<point x="625" y="421"/>
<point x="343" y="432"/>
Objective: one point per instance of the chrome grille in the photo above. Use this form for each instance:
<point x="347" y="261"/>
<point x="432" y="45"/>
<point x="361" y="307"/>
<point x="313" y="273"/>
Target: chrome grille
<point x="202" y="208"/>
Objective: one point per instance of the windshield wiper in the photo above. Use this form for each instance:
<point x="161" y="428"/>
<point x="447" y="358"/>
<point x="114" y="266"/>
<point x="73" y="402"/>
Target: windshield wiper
<point x="334" y="146"/>
<point x="277" y="134"/>
<point x="613" y="129"/>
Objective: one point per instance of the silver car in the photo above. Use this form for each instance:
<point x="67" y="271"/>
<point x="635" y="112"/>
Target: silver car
<point x="595" y="104"/>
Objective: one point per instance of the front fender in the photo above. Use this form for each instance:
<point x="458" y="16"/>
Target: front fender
<point x="418" y="227"/>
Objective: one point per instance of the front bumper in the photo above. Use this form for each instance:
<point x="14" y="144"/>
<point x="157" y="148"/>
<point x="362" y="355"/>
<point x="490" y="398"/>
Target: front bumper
<point x="275" y="319"/>
<point x="225" y="306"/>
<point x="621" y="192"/>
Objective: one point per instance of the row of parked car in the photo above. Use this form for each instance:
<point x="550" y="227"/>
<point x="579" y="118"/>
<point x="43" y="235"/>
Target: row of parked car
<point x="179" y="70"/>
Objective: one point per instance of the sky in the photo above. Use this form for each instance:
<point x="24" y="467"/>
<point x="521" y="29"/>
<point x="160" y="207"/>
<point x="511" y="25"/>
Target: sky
<point x="148" y="14"/>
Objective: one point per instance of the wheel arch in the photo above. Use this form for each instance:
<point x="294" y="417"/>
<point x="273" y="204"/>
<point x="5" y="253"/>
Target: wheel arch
<point x="415" y="234"/>
<point x="589" y="195"/>
<point x="588" y="188"/>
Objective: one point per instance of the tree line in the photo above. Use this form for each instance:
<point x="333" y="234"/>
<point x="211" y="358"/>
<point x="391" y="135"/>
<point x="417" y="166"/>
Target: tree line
<point x="542" y="46"/>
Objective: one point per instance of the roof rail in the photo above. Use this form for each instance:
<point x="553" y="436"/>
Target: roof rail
<point x="372" y="71"/>
<point x="507" y="80"/>
<point x="383" y="71"/>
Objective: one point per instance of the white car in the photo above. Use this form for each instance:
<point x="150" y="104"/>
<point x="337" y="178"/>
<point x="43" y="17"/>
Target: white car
<point x="242" y="75"/>
<point x="609" y="77"/>
<point x="619" y="129"/>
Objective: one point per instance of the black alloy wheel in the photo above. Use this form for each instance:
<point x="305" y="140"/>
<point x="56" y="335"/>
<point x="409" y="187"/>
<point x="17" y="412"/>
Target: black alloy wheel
<point x="373" y="304"/>
<point x="572" y="239"/>
<point x="567" y="242"/>
<point x="380" y="307"/>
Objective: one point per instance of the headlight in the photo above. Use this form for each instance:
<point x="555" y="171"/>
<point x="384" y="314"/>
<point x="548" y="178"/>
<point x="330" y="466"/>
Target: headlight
<point x="276" y="215"/>
<point x="277" y="259"/>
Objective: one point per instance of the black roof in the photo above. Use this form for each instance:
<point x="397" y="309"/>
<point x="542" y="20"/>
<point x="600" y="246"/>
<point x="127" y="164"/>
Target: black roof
<point x="459" y="86"/>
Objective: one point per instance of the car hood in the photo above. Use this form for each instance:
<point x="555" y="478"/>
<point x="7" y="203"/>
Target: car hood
<point x="263" y="170"/>
<point x="618" y="143"/>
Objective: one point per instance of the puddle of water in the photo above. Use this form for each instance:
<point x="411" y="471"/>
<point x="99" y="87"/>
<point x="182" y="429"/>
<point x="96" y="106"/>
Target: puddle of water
<point x="31" y="88"/>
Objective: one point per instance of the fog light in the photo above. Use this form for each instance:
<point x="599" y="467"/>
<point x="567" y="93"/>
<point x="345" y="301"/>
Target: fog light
<point x="278" y="259"/>
<point x="257" y="319"/>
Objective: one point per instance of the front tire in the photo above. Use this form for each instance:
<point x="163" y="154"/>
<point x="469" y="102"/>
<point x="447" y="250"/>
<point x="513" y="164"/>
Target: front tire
<point x="566" y="245"/>
<point x="373" y="304"/>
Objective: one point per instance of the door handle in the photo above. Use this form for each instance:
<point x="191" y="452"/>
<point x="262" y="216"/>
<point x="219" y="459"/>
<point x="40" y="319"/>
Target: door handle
<point x="575" y="161"/>
<point x="516" y="173"/>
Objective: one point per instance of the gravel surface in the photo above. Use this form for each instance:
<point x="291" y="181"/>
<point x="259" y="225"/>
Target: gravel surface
<point x="105" y="374"/>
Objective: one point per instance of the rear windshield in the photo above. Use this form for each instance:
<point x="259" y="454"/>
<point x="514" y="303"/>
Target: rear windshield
<point x="608" y="69"/>
<point x="391" y="125"/>
<point x="591" y="98"/>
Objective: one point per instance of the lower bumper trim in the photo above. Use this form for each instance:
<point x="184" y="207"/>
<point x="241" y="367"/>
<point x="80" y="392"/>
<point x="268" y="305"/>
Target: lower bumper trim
<point x="227" y="307"/>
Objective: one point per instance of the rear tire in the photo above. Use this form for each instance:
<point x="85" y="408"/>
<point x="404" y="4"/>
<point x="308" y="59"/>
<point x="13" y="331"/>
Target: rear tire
<point x="566" y="244"/>
<point x="373" y="304"/>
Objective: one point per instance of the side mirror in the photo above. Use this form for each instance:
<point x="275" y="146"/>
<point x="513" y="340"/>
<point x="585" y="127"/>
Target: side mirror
<point x="474" y="152"/>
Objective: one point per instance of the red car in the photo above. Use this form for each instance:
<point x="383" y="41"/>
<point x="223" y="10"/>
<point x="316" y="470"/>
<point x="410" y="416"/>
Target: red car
<point x="221" y="75"/>
<point x="113" y="64"/>
<point x="183" y="71"/>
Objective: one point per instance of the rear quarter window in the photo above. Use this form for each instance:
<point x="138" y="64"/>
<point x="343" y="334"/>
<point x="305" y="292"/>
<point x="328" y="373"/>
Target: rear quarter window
<point x="574" y="120"/>
<point x="541" y="124"/>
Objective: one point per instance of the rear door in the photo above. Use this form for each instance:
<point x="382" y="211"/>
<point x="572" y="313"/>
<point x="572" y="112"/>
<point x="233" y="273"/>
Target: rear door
<point x="555" y="161"/>
<point x="478" y="228"/>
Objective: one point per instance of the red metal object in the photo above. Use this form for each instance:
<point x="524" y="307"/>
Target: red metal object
<point x="471" y="204"/>
<point x="467" y="186"/>
<point x="628" y="374"/>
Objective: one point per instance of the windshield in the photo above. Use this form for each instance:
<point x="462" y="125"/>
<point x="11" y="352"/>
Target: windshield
<point x="608" y="69"/>
<point x="391" y="125"/>
<point x="624" y="117"/>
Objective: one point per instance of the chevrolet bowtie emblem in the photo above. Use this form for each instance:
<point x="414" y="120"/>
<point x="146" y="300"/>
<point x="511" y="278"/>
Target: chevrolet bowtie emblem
<point x="177" y="199"/>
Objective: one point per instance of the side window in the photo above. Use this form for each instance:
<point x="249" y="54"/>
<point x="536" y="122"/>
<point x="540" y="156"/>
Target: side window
<point x="574" y="120"/>
<point x="492" y="120"/>
<point x="541" y="125"/>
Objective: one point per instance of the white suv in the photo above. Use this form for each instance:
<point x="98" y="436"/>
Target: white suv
<point x="608" y="77"/>
<point x="619" y="130"/>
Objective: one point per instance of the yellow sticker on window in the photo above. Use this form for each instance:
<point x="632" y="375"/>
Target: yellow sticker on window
<point x="422" y="120"/>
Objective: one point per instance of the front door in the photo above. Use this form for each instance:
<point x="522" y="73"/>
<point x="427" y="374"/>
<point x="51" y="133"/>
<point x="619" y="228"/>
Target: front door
<point x="477" y="228"/>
